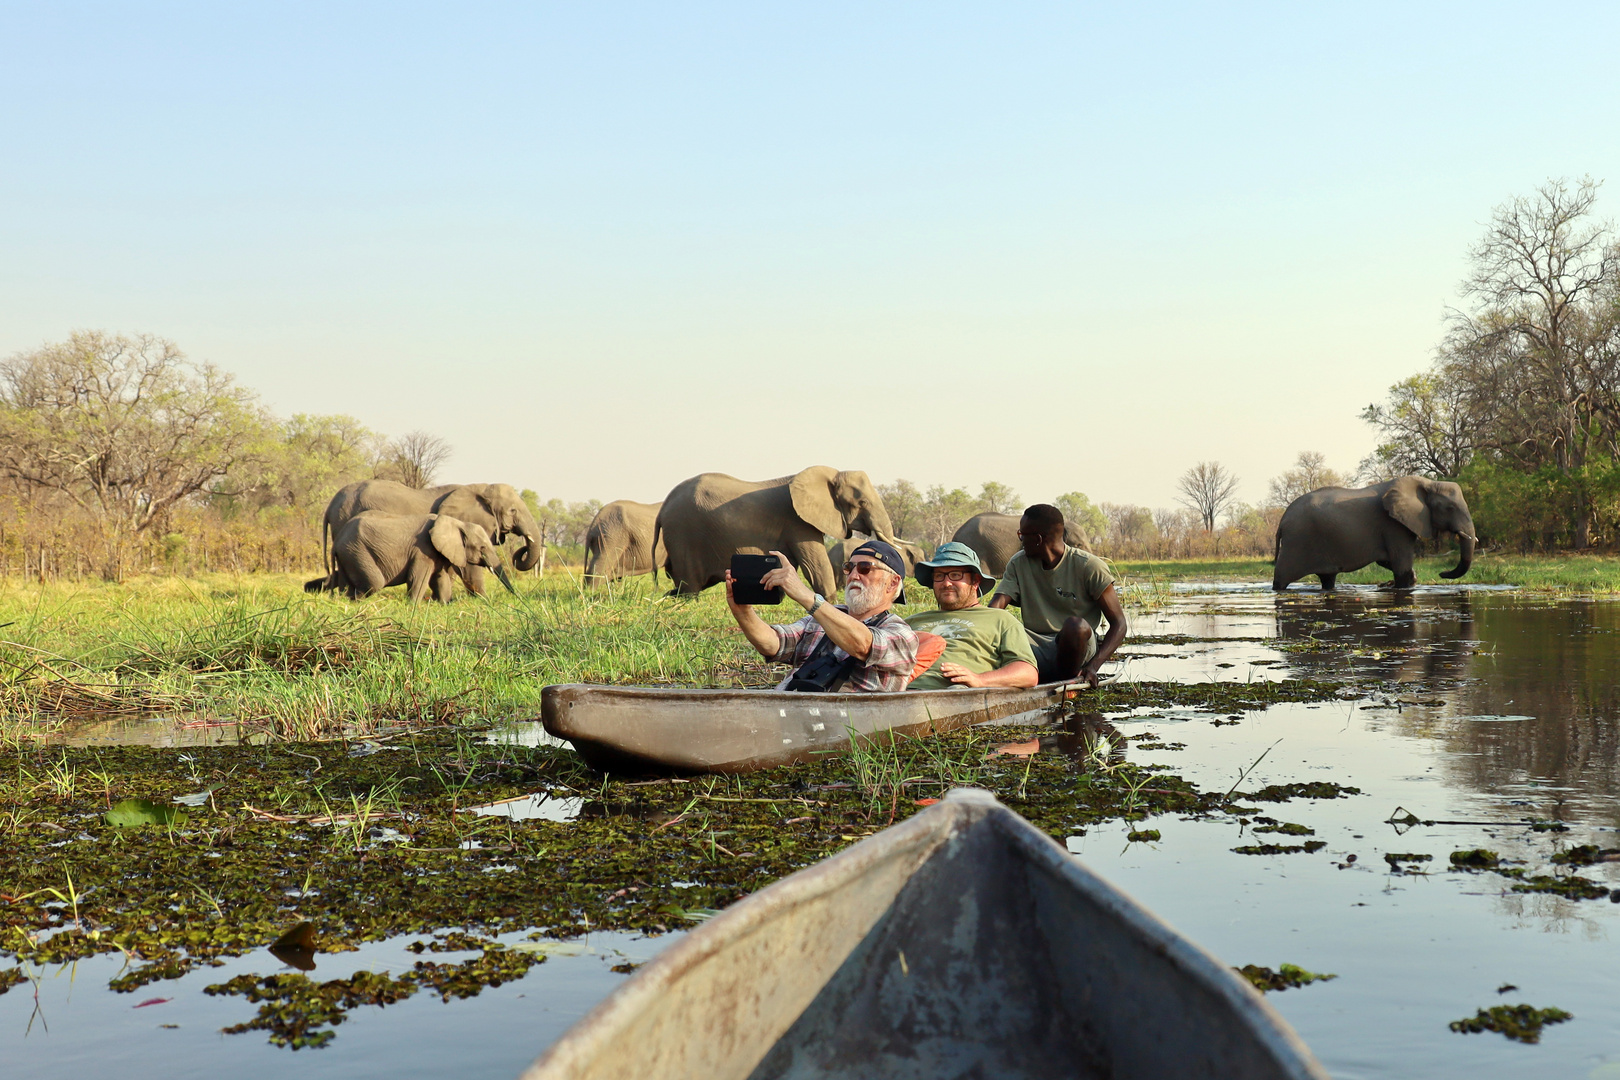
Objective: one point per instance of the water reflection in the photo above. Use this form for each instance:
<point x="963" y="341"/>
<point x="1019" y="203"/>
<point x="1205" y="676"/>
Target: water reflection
<point x="1088" y="739"/>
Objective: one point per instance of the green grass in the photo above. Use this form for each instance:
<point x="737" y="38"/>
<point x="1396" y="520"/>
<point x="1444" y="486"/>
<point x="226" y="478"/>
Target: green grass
<point x="1546" y="573"/>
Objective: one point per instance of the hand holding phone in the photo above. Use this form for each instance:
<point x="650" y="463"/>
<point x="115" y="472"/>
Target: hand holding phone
<point x="747" y="574"/>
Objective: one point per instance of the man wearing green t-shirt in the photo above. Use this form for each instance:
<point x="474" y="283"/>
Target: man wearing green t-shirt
<point x="1063" y="594"/>
<point x="983" y="646"/>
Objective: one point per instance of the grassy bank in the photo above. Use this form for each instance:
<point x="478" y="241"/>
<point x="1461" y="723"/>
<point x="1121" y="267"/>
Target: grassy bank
<point x="1549" y="573"/>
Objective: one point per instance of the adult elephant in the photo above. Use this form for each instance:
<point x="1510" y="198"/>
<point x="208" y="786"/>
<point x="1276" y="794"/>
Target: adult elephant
<point x="707" y="519"/>
<point x="994" y="537"/>
<point x="619" y="542"/>
<point x="498" y="509"/>
<point x="424" y="552"/>
<point x="1334" y="530"/>
<point x="838" y="555"/>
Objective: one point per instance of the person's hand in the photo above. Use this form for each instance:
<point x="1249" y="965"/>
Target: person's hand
<point x="731" y="596"/>
<point x="1088" y="675"/>
<point x="786" y="577"/>
<point x="960" y="675"/>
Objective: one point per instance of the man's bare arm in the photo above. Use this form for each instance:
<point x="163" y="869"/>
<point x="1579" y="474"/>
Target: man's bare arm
<point x="998" y="601"/>
<point x="1109" y="602"/>
<point x="1014" y="673"/>
<point x="846" y="631"/>
<point x="765" y="641"/>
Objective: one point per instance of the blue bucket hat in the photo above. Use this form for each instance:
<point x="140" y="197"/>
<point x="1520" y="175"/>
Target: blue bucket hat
<point x="954" y="555"/>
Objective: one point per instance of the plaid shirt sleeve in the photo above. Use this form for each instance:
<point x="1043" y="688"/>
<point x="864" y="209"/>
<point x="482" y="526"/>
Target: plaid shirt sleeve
<point x="894" y="654"/>
<point x="793" y="636"/>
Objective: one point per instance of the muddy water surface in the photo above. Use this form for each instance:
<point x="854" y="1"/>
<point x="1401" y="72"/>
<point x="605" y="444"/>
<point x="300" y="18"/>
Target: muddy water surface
<point x="1478" y="706"/>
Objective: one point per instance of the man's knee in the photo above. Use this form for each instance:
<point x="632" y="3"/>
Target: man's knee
<point x="1076" y="628"/>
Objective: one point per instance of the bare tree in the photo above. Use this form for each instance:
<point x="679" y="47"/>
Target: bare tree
<point x="123" y="427"/>
<point x="418" y="456"/>
<point x="1310" y="472"/>
<point x="1206" y="489"/>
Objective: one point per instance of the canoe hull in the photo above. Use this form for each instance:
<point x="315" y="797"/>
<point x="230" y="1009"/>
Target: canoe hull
<point x="962" y="942"/>
<point x="640" y="729"/>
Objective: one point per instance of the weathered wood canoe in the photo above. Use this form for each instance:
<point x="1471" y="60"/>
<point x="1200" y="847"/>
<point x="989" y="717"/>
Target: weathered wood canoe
<point x="632" y="729"/>
<point x="960" y="943"/>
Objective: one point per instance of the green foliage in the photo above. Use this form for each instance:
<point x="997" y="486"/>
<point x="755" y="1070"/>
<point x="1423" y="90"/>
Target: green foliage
<point x="1080" y="510"/>
<point x="1286" y="977"/>
<point x="1522" y="1023"/>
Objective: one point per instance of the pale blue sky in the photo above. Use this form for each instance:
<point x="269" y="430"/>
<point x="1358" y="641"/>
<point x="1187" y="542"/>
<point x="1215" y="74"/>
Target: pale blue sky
<point x="601" y="248"/>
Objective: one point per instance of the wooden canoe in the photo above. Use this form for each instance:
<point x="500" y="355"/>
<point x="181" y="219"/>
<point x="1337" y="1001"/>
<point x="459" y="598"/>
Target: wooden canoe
<point x="633" y="729"/>
<point x="961" y="943"/>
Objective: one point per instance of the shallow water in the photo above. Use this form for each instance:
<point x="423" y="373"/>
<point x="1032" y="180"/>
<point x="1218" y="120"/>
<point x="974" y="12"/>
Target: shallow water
<point x="1466" y="704"/>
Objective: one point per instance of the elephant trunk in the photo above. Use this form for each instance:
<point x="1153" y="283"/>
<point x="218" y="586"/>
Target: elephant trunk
<point x="882" y="527"/>
<point x="529" y="555"/>
<point x="1465" y="557"/>
<point x="500" y="572"/>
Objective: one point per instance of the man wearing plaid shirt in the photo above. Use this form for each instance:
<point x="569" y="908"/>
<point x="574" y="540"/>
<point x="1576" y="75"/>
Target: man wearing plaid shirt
<point x="882" y="645"/>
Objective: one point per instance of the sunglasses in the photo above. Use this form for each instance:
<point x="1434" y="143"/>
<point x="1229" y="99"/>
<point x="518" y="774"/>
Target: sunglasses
<point x="954" y="575"/>
<point x="862" y="568"/>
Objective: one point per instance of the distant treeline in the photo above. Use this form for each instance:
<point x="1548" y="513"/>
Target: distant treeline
<point x="1522" y="403"/>
<point x="120" y="456"/>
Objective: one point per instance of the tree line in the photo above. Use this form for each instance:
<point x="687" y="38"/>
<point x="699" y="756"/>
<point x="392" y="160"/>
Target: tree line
<point x="119" y="455"/>
<point x="1521" y="405"/>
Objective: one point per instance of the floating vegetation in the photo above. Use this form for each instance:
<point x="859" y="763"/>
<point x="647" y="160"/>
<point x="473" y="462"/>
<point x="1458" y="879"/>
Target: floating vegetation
<point x="10" y="977"/>
<point x="1137" y="836"/>
<point x="1520" y="1022"/>
<point x="1286" y="977"/>
<point x="1475" y="859"/>
<point x="1572" y="887"/>
<point x="1586" y="855"/>
<point x="1287" y="828"/>
<point x="1396" y="858"/>
<point x="1308" y="847"/>
<point x="1320" y="789"/>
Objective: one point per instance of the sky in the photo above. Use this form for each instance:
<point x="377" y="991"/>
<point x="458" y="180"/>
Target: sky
<point x="602" y="248"/>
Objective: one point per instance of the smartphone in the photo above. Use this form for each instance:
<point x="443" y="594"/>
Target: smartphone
<point x="746" y="573"/>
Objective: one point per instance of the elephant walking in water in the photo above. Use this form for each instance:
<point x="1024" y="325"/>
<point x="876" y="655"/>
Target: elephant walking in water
<point x="1332" y="531"/>
<point x="707" y="519"/>
<point x="424" y="552"/>
<point x="994" y="538"/>
<point x="498" y="509"/>
<point x="619" y="542"/>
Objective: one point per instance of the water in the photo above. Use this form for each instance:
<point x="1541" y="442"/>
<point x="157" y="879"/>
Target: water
<point x="1467" y="704"/>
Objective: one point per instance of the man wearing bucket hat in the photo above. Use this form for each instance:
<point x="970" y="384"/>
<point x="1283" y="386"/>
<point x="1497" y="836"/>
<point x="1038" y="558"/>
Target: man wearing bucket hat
<point x="984" y="646"/>
<point x="859" y="645"/>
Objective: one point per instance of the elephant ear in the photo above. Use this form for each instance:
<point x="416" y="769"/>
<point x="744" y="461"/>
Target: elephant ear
<point x="1405" y="503"/>
<point x="467" y="504"/>
<point x="812" y="494"/>
<point x="445" y="536"/>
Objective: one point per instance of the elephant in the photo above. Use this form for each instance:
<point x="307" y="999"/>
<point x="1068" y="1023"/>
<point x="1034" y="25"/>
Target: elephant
<point x="911" y="553"/>
<point x="619" y="542"/>
<point x="424" y="552"/>
<point x="496" y="508"/>
<point x="707" y="519"/>
<point x="1334" y="530"/>
<point x="995" y="538"/>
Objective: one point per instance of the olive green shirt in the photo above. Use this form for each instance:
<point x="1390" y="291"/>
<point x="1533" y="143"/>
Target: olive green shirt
<point x="979" y="638"/>
<point x="1047" y="597"/>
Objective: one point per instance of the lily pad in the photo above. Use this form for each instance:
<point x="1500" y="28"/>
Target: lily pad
<point x="132" y="813"/>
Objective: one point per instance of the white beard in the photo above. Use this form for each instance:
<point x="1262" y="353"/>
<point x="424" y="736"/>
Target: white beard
<point x="860" y="598"/>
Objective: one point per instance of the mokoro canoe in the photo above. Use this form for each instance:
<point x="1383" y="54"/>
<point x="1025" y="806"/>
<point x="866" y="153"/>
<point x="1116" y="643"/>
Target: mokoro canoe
<point x="632" y="729"/>
<point x="961" y="943"/>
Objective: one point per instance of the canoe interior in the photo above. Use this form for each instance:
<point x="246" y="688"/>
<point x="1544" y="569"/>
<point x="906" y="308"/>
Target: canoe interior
<point x="963" y="943"/>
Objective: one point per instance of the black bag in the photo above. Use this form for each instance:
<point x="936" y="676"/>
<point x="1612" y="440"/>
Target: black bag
<point x="822" y="672"/>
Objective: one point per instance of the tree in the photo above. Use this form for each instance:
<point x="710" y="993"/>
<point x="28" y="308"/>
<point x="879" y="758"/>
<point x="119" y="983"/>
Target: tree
<point x="997" y="498"/>
<point x="418" y="456"/>
<point x="905" y="505"/>
<point x="297" y="464"/>
<point x="124" y="427"/>
<point x="1206" y="489"/>
<point x="1309" y="473"/>
<point x="945" y="511"/>
<point x="1428" y="427"/>
<point x="1079" y="509"/>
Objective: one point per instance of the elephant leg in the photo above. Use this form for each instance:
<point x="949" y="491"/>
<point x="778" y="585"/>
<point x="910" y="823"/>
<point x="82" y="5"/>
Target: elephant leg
<point x="444" y="585"/>
<point x="1400" y="564"/>
<point x="474" y="577"/>
<point x="420" y="580"/>
<point x="812" y="560"/>
<point x="1405" y="579"/>
<point x="1327" y="581"/>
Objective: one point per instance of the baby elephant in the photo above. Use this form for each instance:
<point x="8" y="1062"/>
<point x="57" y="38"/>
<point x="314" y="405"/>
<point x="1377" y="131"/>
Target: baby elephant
<point x="420" y="551"/>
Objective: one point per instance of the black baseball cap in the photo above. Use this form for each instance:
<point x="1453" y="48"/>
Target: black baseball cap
<point x="884" y="553"/>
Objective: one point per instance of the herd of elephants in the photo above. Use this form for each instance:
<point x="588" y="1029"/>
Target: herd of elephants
<point x="383" y="533"/>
